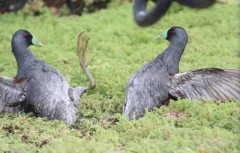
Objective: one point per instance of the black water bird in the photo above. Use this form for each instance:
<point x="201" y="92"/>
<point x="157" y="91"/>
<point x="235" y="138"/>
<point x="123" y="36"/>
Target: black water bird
<point x="38" y="87"/>
<point x="144" y="18"/>
<point x="159" y="80"/>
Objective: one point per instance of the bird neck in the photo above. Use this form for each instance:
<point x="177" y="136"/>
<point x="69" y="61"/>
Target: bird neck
<point x="146" y="18"/>
<point x="23" y="57"/>
<point x="172" y="55"/>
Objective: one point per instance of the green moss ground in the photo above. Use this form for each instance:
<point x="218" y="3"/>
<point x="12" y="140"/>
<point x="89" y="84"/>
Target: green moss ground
<point x="120" y="48"/>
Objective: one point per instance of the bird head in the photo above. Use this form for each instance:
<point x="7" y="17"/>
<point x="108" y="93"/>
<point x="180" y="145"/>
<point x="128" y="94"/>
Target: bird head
<point x="25" y="37"/>
<point x="173" y="33"/>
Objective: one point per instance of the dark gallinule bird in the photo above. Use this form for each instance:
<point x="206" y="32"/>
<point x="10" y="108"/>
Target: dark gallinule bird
<point x="39" y="85"/>
<point x="159" y="80"/>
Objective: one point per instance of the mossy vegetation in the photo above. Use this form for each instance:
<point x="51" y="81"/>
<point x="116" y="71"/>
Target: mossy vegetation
<point x="120" y="48"/>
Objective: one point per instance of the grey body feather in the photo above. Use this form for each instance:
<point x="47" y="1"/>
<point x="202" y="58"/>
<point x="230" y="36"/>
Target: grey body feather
<point x="146" y="89"/>
<point x="47" y="91"/>
<point x="11" y="92"/>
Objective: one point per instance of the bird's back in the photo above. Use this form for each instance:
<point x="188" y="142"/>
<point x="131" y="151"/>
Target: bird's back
<point x="47" y="92"/>
<point x="147" y="88"/>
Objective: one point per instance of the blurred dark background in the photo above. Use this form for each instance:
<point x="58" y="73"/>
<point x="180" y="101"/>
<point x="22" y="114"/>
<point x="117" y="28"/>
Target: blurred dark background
<point x="57" y="7"/>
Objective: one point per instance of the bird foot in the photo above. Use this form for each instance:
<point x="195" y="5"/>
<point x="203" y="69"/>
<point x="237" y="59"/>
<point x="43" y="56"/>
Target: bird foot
<point x="81" y="51"/>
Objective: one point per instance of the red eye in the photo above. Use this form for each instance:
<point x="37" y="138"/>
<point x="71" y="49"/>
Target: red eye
<point x="171" y="32"/>
<point x="26" y="35"/>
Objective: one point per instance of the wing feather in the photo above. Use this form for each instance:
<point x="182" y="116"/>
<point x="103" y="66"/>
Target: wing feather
<point x="10" y="92"/>
<point x="207" y="83"/>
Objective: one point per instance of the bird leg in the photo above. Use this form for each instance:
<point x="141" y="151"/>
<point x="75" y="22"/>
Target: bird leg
<point x="81" y="51"/>
<point x="75" y="93"/>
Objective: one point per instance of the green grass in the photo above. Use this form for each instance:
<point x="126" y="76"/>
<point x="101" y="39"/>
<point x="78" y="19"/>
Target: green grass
<point x="120" y="48"/>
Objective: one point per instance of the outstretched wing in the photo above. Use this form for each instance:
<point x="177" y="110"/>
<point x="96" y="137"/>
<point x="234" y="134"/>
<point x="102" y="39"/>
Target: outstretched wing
<point x="10" y="92"/>
<point x="208" y="83"/>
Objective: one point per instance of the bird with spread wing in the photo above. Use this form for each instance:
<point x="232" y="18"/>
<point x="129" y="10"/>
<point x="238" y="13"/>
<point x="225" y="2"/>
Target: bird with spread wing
<point x="38" y="87"/>
<point x="158" y="81"/>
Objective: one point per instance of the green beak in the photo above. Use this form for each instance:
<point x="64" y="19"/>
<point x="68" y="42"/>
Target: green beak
<point x="162" y="35"/>
<point x="36" y="42"/>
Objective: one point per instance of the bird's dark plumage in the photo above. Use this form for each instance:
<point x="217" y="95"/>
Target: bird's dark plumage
<point x="158" y="81"/>
<point x="11" y="92"/>
<point x="208" y="83"/>
<point x="45" y="89"/>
